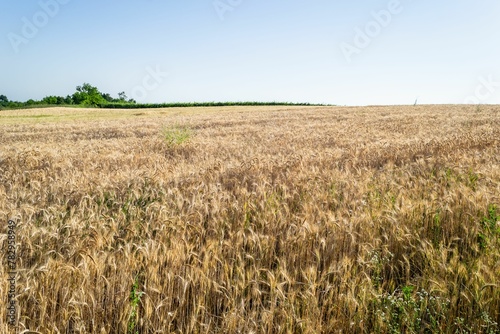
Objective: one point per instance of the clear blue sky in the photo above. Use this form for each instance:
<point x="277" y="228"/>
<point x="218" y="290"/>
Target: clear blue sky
<point x="260" y="50"/>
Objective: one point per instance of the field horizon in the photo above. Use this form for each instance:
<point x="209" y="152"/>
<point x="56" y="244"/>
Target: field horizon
<point x="252" y="219"/>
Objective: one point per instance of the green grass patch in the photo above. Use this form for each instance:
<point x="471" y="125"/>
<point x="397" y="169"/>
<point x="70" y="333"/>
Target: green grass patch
<point x="176" y="135"/>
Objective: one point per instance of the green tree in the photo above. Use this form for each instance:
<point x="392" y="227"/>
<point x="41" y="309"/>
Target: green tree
<point x="49" y="100"/>
<point x="88" y="95"/>
<point x="4" y="101"/>
<point x="122" y="97"/>
<point x="107" y="97"/>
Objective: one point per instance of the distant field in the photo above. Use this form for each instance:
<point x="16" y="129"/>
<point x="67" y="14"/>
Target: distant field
<point x="253" y="219"/>
<point x="72" y="114"/>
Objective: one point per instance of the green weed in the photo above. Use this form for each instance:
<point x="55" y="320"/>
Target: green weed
<point x="176" y="135"/>
<point x="490" y="227"/>
<point x="134" y="298"/>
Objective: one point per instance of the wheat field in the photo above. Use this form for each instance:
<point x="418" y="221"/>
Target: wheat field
<point x="253" y="219"/>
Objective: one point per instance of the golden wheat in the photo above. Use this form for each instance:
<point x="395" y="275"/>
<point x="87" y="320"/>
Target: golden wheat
<point x="257" y="220"/>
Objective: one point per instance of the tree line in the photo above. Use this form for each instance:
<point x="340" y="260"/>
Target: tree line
<point x="85" y="95"/>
